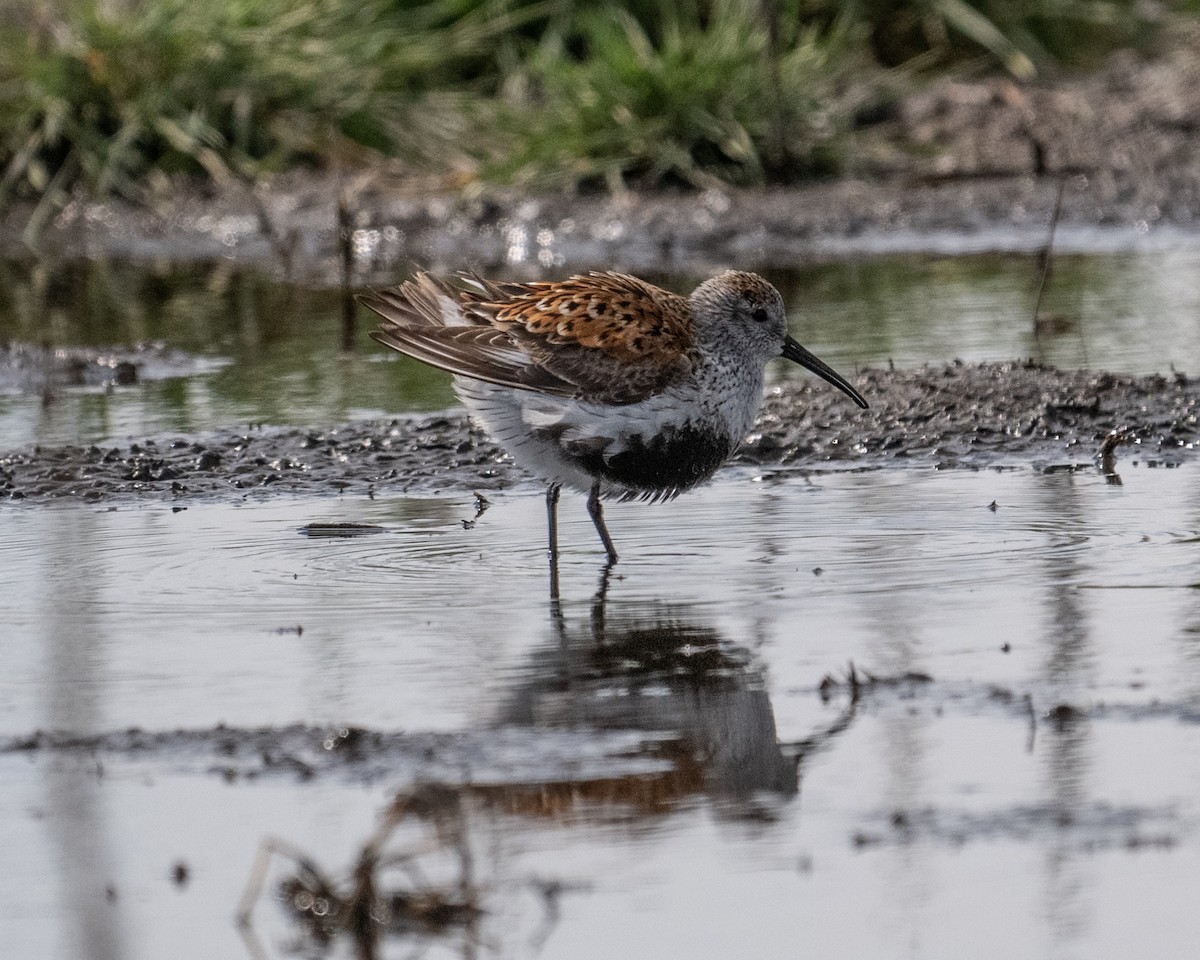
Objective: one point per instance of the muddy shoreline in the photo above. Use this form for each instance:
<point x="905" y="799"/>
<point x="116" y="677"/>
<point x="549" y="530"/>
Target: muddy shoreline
<point x="963" y="164"/>
<point x="957" y="416"/>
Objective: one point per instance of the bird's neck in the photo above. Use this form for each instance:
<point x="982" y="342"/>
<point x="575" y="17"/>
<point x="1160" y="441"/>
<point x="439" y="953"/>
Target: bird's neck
<point x="729" y="390"/>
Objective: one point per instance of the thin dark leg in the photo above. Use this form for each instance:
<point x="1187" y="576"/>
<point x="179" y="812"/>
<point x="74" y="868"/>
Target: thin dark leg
<point x="597" y="514"/>
<point x="552" y="531"/>
<point x="552" y="492"/>
<point x="600" y="604"/>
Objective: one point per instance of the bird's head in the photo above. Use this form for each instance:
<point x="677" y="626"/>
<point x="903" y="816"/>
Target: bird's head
<point x="742" y="313"/>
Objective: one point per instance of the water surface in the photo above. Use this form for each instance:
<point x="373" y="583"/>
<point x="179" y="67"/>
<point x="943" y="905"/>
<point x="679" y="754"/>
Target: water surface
<point x="938" y="809"/>
<point x="274" y="349"/>
<point x="673" y="759"/>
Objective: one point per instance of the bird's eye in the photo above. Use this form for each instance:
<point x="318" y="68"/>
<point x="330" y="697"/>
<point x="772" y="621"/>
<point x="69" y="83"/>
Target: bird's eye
<point x="759" y="314"/>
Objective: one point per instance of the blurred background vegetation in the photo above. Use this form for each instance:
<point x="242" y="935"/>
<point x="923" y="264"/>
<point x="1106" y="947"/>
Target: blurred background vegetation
<point x="121" y="97"/>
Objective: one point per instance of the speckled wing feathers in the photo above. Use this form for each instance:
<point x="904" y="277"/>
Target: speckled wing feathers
<point x="611" y="312"/>
<point x="604" y="337"/>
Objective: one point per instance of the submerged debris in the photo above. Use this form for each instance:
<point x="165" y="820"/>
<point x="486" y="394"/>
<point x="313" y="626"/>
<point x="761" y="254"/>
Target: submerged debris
<point x="1106" y="456"/>
<point x="340" y="529"/>
<point x="388" y="895"/>
<point x="28" y="368"/>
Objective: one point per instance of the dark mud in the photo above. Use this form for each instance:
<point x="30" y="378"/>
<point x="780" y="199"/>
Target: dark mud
<point x="1099" y="826"/>
<point x="612" y="750"/>
<point x="957" y="416"/>
<point x="963" y="164"/>
<point x="351" y="754"/>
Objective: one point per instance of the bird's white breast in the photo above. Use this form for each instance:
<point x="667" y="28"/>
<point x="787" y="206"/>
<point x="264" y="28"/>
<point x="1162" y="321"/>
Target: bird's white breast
<point x="548" y="435"/>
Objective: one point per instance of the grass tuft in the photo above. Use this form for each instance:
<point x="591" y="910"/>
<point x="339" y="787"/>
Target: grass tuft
<point x="117" y="97"/>
<point x="701" y="99"/>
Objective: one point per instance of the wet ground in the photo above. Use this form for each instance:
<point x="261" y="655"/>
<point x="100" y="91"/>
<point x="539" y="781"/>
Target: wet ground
<point x="966" y="415"/>
<point x="242" y="390"/>
<point x="927" y="675"/>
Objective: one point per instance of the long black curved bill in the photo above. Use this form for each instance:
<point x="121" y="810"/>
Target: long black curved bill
<point x="793" y="351"/>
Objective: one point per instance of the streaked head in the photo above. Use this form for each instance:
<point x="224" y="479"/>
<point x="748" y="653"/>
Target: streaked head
<point x="742" y="312"/>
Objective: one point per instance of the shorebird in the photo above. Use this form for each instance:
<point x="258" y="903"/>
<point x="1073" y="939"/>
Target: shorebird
<point x="603" y="383"/>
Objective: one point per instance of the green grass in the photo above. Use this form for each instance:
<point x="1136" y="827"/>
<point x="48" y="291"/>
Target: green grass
<point x="701" y="99"/>
<point x="117" y="97"/>
<point x="114" y="96"/>
<point x="1021" y="36"/>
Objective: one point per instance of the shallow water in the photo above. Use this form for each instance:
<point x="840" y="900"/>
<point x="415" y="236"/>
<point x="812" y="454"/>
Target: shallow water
<point x="940" y="813"/>
<point x="273" y="351"/>
<point x="673" y="759"/>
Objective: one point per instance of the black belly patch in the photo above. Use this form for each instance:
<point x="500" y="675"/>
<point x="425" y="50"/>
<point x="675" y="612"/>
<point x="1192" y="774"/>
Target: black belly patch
<point x="662" y="467"/>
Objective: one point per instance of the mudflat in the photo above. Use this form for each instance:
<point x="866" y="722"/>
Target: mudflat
<point x="951" y="416"/>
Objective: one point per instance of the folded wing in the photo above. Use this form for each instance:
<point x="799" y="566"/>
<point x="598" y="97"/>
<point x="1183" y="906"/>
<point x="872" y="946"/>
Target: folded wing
<point x="603" y="337"/>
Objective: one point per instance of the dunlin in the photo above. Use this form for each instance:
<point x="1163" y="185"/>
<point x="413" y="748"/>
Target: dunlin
<point x="603" y="383"/>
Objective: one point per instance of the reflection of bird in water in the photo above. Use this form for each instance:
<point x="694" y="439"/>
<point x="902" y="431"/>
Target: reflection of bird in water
<point x="699" y="707"/>
<point x="657" y="667"/>
<point x="603" y="383"/>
